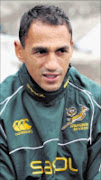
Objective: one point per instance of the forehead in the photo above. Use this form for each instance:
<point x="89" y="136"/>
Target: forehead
<point x="41" y="33"/>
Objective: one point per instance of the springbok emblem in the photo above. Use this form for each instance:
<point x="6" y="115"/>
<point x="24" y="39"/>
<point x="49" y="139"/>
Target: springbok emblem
<point x="79" y="117"/>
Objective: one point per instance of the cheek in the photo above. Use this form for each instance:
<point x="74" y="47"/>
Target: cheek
<point x="31" y="67"/>
<point x="65" y="65"/>
<point x="32" y="64"/>
<point x="35" y="71"/>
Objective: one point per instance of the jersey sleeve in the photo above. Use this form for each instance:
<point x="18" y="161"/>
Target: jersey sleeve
<point x="94" y="150"/>
<point x="7" y="171"/>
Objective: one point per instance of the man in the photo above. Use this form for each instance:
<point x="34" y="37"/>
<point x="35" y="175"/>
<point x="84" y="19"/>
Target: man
<point x="50" y="114"/>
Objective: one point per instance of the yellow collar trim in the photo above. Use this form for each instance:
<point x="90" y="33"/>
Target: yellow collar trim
<point x="66" y="83"/>
<point x="37" y="94"/>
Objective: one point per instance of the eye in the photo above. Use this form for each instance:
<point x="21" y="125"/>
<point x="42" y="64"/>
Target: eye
<point x="61" y="51"/>
<point x="41" y="51"/>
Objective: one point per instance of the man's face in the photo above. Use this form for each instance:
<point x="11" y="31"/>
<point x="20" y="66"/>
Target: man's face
<point x="47" y="52"/>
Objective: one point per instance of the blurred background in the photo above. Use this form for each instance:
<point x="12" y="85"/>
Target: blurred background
<point x="85" y="18"/>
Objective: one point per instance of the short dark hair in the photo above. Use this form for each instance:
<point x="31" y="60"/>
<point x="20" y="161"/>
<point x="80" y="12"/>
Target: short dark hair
<point x="47" y="14"/>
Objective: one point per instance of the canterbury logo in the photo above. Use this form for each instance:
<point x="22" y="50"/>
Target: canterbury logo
<point x="21" y="125"/>
<point x="79" y="117"/>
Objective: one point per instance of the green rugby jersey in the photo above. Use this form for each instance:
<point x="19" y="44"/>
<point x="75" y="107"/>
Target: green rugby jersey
<point x="50" y="135"/>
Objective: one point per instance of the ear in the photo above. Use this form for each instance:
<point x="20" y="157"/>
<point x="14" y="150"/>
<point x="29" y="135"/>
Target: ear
<point x="72" y="47"/>
<point x="19" y="50"/>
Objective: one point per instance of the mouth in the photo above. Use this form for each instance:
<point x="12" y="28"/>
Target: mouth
<point x="51" y="77"/>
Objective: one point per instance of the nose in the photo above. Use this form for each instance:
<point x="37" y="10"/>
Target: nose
<point x="51" y="63"/>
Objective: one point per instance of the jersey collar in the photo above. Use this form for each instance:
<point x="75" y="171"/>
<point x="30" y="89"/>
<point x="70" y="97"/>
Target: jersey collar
<point x="36" y="91"/>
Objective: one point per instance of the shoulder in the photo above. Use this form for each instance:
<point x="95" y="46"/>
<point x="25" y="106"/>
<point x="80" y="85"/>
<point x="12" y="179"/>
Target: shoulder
<point x="80" y="81"/>
<point x="9" y="86"/>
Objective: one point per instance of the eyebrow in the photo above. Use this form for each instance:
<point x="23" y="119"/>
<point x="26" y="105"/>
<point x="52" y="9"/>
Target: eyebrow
<point x="36" y="49"/>
<point x="64" y="48"/>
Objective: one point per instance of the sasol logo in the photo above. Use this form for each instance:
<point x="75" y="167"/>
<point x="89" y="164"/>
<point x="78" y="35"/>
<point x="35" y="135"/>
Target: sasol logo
<point x="22" y="127"/>
<point x="58" y="165"/>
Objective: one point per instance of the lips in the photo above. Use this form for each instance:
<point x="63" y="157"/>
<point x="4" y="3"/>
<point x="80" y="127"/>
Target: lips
<point x="51" y="77"/>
